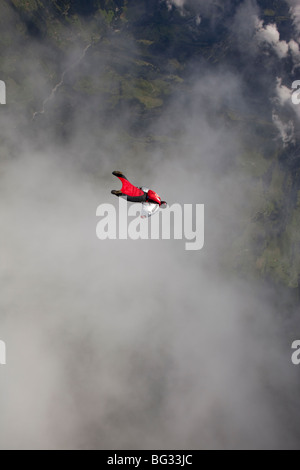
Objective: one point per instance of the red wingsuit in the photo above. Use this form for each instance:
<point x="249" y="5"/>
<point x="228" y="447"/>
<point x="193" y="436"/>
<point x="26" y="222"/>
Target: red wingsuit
<point x="133" y="193"/>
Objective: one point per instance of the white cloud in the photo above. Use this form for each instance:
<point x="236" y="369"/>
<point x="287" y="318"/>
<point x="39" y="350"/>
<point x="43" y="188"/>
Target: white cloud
<point x="295" y="12"/>
<point x="209" y="8"/>
<point x="294" y="47"/>
<point x="284" y="98"/>
<point x="175" y="3"/>
<point x="198" y="20"/>
<point x="286" y="130"/>
<point x="284" y="94"/>
<point x="295" y="52"/>
<point x="269" y="35"/>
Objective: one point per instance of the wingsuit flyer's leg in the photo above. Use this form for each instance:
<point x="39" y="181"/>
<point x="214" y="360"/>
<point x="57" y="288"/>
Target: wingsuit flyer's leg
<point x="129" y="191"/>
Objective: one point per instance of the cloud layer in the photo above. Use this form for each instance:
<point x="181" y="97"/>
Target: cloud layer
<point x="138" y="345"/>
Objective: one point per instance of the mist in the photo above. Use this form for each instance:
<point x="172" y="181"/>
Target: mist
<point x="133" y="344"/>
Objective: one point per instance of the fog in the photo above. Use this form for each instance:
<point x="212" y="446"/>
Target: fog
<point x="134" y="344"/>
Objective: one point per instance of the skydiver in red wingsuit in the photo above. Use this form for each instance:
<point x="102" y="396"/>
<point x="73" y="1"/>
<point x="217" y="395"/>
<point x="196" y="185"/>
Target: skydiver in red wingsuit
<point x="134" y="194"/>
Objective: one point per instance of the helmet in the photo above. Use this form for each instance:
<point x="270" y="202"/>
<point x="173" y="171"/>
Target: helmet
<point x="152" y="196"/>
